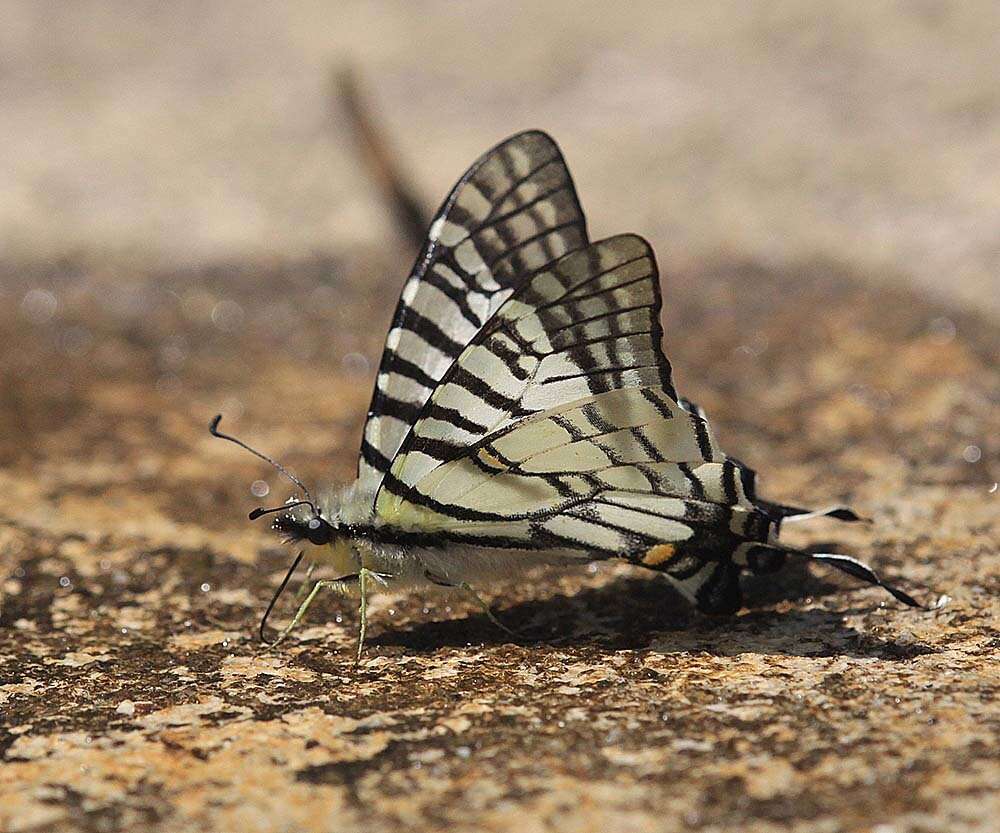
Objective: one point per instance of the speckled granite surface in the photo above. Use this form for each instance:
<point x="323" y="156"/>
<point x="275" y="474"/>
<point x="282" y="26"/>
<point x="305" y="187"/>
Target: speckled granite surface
<point x="134" y="696"/>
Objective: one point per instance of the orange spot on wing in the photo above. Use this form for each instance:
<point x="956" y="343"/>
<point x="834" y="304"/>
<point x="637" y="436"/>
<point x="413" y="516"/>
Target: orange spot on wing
<point x="659" y="554"/>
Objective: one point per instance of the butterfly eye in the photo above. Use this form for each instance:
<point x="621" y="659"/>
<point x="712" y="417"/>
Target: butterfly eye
<point x="319" y="532"/>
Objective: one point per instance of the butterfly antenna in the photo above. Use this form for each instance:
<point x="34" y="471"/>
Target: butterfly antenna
<point x="283" y="508"/>
<point x="277" y="595"/>
<point x="213" y="428"/>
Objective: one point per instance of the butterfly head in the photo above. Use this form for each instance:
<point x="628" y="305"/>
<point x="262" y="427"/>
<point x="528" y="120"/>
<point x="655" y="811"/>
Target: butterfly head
<point x="311" y="527"/>
<point x="299" y="522"/>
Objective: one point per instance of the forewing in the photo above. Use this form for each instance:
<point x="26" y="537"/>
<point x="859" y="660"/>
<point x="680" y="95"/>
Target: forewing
<point x="513" y="212"/>
<point x="585" y="326"/>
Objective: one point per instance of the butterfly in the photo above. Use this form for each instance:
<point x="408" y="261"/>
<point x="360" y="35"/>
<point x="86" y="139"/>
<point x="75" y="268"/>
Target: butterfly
<point x="524" y="414"/>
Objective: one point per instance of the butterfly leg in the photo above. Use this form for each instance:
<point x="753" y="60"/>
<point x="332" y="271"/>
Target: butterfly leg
<point x="362" y="613"/>
<point x="364" y="577"/>
<point x="340" y="584"/>
<point x="485" y="608"/>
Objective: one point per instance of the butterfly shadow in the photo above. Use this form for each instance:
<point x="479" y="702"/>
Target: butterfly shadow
<point x="643" y="613"/>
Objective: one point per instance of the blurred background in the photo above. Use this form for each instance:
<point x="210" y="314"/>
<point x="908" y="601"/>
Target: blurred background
<point x="186" y="132"/>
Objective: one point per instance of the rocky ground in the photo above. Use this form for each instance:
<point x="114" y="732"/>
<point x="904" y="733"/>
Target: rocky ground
<point x="135" y="695"/>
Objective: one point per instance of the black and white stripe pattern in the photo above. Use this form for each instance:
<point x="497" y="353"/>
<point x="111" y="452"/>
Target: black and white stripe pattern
<point x="524" y="401"/>
<point x="587" y="325"/>
<point x="514" y="212"/>
<point x="617" y="474"/>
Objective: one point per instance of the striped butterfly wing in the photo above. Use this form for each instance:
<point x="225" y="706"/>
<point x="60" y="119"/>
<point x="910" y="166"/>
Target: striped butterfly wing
<point x="587" y="324"/>
<point x="627" y="473"/>
<point x="558" y="428"/>
<point x="514" y="212"/>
